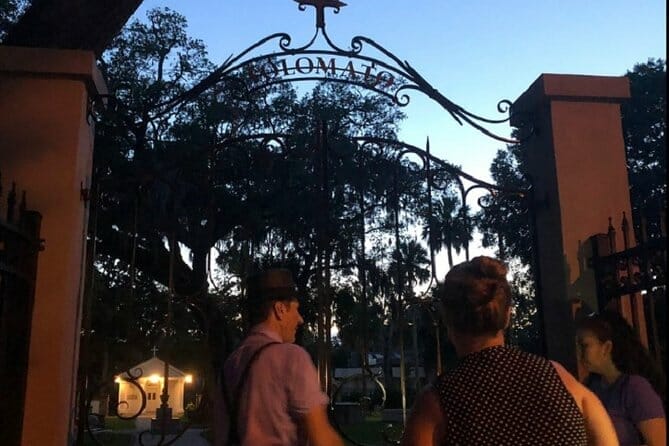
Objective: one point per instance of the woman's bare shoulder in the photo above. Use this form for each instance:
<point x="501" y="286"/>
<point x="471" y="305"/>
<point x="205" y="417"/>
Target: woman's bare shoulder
<point x="577" y="390"/>
<point x="430" y="398"/>
<point x="426" y="420"/>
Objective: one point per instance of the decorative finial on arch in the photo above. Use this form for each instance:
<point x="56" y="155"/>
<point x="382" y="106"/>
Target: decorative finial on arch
<point x="320" y="6"/>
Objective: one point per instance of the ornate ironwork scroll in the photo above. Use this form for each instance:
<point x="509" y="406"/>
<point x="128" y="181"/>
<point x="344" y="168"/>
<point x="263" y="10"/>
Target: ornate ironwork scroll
<point x="275" y="60"/>
<point x="131" y="378"/>
<point x="366" y="372"/>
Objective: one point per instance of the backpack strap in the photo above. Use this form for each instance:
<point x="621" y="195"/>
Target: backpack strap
<point x="232" y="404"/>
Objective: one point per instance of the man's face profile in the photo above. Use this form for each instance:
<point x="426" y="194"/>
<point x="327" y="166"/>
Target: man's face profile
<point x="291" y="320"/>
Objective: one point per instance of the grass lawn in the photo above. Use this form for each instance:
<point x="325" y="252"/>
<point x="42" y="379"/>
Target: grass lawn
<point x="116" y="424"/>
<point x="370" y="431"/>
<point x="108" y="439"/>
<point x="208" y="435"/>
<point x="110" y="436"/>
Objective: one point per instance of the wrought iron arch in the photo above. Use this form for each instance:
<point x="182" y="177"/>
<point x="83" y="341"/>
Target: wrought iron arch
<point x="389" y="76"/>
<point x="273" y="60"/>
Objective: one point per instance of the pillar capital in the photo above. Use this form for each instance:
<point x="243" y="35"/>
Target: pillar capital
<point x="53" y="63"/>
<point x="570" y="87"/>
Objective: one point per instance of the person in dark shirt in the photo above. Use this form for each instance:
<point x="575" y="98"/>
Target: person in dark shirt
<point x="624" y="377"/>
<point x="497" y="394"/>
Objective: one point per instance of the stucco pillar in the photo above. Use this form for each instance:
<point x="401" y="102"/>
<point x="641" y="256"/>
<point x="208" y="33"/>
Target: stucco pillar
<point x="576" y="161"/>
<point x="46" y="146"/>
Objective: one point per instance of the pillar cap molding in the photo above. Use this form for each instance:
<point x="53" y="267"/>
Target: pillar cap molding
<point x="572" y="87"/>
<point x="53" y="63"/>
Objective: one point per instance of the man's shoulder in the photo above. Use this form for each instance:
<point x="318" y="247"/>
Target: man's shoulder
<point x="289" y="358"/>
<point x="287" y="348"/>
<point x="270" y="347"/>
<point x="251" y="344"/>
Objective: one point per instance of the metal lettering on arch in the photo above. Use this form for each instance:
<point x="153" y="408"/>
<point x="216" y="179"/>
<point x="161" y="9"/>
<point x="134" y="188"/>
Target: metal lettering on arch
<point x="275" y="60"/>
<point x="328" y="67"/>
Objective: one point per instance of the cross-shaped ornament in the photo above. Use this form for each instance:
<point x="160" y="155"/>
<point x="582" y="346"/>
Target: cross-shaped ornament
<point x="320" y="6"/>
<point x="154" y="350"/>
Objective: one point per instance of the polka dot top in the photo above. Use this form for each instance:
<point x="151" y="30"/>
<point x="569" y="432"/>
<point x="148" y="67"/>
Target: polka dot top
<point x="504" y="396"/>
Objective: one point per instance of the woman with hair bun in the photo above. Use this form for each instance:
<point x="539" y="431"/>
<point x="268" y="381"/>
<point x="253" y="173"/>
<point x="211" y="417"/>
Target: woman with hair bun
<point x="497" y="394"/>
<point x="624" y="377"/>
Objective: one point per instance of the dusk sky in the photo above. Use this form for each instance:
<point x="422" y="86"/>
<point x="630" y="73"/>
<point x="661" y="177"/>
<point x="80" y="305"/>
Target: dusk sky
<point x="474" y="52"/>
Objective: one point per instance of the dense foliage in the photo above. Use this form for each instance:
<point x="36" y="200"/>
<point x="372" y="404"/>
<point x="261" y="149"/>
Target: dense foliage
<point x="189" y="199"/>
<point x="644" y="130"/>
<point x="10" y="11"/>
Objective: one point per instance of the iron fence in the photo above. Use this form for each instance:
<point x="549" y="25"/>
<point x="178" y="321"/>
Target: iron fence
<point x="633" y="280"/>
<point x="19" y="246"/>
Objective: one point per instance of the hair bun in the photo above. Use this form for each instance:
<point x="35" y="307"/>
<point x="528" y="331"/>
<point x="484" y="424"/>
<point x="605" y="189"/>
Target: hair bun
<point x="481" y="276"/>
<point x="476" y="296"/>
<point x="489" y="267"/>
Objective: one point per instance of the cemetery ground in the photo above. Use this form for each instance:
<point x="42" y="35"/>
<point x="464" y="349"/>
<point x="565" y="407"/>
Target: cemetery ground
<point x="118" y="432"/>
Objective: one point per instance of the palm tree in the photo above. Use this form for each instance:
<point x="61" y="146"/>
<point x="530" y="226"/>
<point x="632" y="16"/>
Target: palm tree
<point x="413" y="263"/>
<point x="410" y="265"/>
<point x="462" y="231"/>
<point x="448" y="227"/>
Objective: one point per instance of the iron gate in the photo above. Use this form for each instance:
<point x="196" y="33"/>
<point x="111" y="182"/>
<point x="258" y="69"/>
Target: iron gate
<point x="633" y="280"/>
<point x="367" y="65"/>
<point x="19" y="246"/>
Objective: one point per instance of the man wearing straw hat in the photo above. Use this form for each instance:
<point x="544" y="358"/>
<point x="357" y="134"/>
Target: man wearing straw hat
<point x="271" y="390"/>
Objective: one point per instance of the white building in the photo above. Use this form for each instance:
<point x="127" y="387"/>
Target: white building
<point x="152" y="382"/>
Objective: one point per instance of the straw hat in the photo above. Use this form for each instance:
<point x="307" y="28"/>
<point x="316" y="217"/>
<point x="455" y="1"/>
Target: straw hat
<point x="271" y="284"/>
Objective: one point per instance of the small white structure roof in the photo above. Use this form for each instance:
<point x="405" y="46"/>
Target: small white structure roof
<point x="154" y="366"/>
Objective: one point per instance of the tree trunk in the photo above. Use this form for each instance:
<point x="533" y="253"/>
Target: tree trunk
<point x="389" y="333"/>
<point x="104" y="376"/>
<point x="414" y="336"/>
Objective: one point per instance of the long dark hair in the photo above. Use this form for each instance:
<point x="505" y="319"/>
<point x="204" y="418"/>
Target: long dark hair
<point x="628" y="354"/>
